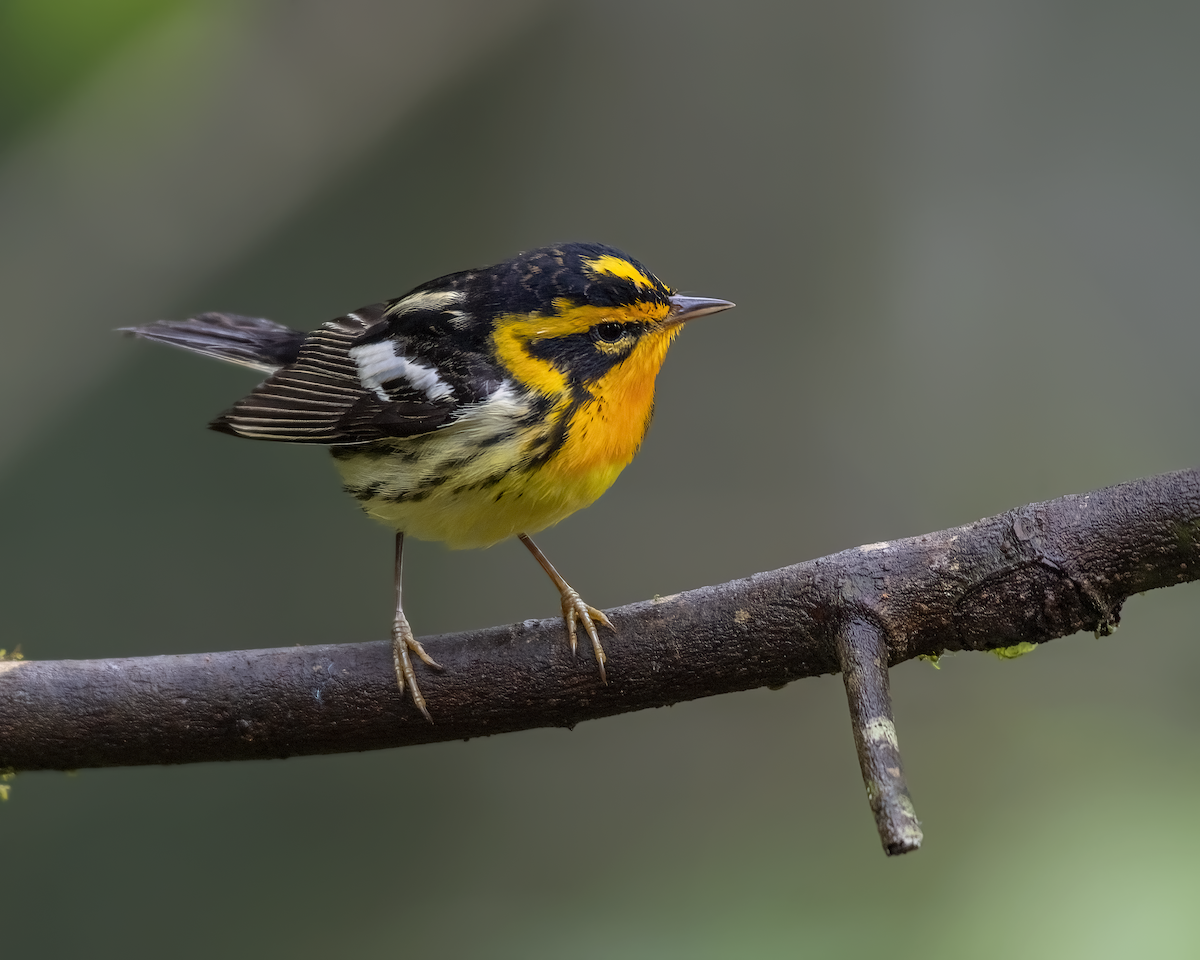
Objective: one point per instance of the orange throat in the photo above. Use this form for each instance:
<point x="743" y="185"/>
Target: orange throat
<point x="606" y="430"/>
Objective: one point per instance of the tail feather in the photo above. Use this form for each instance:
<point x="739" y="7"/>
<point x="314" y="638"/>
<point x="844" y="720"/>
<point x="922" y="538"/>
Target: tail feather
<point x="249" y="341"/>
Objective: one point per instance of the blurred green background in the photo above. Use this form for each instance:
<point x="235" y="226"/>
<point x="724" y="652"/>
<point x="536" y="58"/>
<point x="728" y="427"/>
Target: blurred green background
<point x="962" y="238"/>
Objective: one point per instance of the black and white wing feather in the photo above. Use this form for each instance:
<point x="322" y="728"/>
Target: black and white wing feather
<point x="350" y="383"/>
<point x="394" y="369"/>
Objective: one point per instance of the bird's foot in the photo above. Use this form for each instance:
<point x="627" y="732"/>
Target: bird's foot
<point x="403" y="641"/>
<point x="574" y="609"/>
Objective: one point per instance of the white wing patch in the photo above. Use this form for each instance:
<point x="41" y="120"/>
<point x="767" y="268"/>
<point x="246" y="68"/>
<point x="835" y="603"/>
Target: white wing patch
<point x="377" y="364"/>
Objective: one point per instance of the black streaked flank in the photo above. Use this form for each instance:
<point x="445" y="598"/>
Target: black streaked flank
<point x="489" y="481"/>
<point x="367" y="492"/>
<point x="500" y="436"/>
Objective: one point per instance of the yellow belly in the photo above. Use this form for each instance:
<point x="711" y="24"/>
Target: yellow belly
<point x="479" y="516"/>
<point x="444" y="486"/>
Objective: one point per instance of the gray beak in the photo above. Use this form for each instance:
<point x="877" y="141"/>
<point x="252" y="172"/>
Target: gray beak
<point x="689" y="308"/>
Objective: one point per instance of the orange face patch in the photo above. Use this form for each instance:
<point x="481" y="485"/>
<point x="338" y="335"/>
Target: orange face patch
<point x="607" y="430"/>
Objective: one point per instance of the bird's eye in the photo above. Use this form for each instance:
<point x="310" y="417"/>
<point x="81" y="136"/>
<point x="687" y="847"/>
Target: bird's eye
<point x="608" y="332"/>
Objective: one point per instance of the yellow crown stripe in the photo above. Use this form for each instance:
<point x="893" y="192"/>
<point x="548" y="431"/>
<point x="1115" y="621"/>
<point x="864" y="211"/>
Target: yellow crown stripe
<point x="616" y="267"/>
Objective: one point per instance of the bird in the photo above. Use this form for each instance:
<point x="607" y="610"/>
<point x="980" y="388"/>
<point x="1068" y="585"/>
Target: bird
<point x="482" y="405"/>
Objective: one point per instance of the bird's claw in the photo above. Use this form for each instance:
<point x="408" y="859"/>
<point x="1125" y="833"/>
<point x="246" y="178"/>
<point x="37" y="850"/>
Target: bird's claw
<point x="574" y="608"/>
<point x="402" y="642"/>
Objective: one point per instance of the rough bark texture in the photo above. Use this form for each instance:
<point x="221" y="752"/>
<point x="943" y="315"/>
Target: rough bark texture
<point x="1035" y="573"/>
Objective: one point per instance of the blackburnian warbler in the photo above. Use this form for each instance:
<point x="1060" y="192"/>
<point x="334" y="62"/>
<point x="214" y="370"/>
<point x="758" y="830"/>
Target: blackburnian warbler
<point x="481" y="405"/>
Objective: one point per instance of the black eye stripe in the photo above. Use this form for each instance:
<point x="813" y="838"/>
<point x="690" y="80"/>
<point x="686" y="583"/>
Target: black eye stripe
<point x="585" y="356"/>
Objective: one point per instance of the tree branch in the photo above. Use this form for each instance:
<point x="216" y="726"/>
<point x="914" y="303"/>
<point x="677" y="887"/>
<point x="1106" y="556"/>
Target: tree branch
<point x="1027" y="576"/>
<point x="863" y="655"/>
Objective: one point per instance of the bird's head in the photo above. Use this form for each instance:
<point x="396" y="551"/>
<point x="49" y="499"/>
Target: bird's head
<point x="584" y="317"/>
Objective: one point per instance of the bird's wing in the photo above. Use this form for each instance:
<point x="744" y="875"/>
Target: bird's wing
<point x="348" y="384"/>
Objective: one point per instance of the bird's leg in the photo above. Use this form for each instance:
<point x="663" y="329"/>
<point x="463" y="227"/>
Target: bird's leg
<point x="403" y="640"/>
<point x="573" y="607"/>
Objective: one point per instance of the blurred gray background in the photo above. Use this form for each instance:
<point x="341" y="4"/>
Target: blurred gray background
<point x="962" y="237"/>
